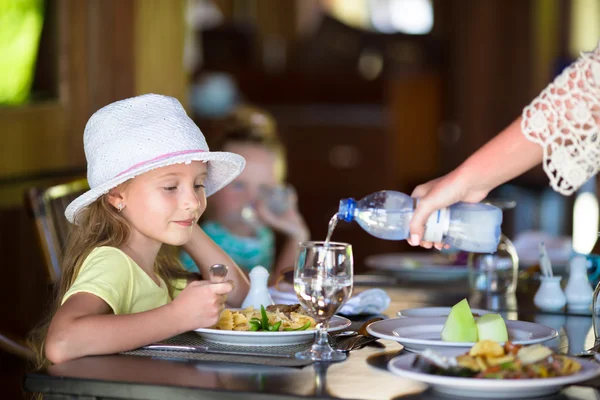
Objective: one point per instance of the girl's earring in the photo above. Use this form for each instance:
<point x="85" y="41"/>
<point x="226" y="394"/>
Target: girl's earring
<point x="120" y="207"/>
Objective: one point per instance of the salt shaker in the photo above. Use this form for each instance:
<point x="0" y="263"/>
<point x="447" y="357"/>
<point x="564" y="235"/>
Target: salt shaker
<point x="550" y="296"/>
<point x="579" y="292"/>
<point x="259" y="293"/>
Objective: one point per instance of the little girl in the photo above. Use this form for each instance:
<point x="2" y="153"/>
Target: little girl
<point x="250" y="241"/>
<point x="149" y="171"/>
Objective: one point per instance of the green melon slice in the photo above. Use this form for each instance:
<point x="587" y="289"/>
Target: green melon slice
<point x="492" y="327"/>
<point x="460" y="325"/>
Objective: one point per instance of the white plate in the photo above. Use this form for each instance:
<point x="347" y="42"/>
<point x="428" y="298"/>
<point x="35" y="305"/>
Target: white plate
<point x="418" y="334"/>
<point x="491" y="388"/>
<point x="417" y="266"/>
<point x="429" y="312"/>
<point x="283" y="338"/>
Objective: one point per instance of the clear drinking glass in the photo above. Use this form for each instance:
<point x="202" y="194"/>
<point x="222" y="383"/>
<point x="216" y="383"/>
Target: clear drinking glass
<point x="323" y="280"/>
<point x="277" y="198"/>
<point x="495" y="273"/>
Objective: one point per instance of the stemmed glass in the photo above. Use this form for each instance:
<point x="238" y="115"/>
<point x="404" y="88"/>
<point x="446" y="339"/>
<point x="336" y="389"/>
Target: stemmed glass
<point x="323" y="280"/>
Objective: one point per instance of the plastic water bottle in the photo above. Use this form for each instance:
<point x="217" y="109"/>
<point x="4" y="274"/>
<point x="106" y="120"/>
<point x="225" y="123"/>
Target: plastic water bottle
<point x="473" y="227"/>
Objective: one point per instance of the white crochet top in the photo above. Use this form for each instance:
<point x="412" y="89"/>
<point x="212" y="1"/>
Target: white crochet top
<point x="565" y="120"/>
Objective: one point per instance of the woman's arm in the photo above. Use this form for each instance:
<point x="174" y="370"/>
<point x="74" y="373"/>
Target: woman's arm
<point x="559" y="128"/>
<point x="506" y="156"/>
<point x="205" y="253"/>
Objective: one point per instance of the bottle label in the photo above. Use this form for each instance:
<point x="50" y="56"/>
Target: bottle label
<point x="437" y="225"/>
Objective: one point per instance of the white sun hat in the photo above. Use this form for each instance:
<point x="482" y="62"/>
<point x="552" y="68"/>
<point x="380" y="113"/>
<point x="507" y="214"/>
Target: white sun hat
<point x="133" y="136"/>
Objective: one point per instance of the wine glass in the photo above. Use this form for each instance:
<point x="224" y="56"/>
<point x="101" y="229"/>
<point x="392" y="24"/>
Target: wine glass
<point x="323" y="279"/>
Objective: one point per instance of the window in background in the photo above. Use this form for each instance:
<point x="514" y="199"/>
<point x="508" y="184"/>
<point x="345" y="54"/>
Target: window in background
<point x="29" y="54"/>
<point x="584" y="35"/>
<point x="585" y="218"/>
<point x="413" y="17"/>
<point x="584" y="26"/>
<point x="20" y="30"/>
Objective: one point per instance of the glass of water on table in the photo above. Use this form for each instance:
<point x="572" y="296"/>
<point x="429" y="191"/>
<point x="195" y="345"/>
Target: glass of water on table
<point x="323" y="280"/>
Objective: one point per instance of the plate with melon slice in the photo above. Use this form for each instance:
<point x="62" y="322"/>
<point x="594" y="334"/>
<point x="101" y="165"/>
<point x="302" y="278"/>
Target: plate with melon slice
<point x="460" y="330"/>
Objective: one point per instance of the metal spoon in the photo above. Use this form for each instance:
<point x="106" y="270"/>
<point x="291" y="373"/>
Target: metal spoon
<point x="589" y="352"/>
<point x="346" y="334"/>
<point x="363" y="338"/>
<point x="217" y="273"/>
<point x="585" y="353"/>
<point x="206" y="349"/>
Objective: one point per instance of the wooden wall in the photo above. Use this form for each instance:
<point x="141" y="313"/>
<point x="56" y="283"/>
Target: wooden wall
<point x="105" y="50"/>
<point x="502" y="53"/>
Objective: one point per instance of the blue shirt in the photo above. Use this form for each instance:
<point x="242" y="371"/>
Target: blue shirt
<point x="246" y="251"/>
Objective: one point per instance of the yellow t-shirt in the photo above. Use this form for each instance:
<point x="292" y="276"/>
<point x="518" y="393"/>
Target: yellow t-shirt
<point x="112" y="275"/>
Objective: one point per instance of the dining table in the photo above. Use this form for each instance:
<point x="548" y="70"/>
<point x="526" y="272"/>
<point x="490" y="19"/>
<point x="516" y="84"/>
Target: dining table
<point x="363" y="375"/>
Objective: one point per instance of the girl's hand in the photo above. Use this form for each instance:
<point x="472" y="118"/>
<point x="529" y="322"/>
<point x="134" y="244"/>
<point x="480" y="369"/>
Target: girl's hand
<point x="200" y="303"/>
<point x="290" y="224"/>
<point x="436" y="194"/>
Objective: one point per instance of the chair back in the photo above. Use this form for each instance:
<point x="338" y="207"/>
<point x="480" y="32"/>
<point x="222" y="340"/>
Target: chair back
<point x="47" y="206"/>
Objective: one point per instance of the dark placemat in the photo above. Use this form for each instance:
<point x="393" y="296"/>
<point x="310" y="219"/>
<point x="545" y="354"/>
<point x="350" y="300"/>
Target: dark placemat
<point x="193" y="339"/>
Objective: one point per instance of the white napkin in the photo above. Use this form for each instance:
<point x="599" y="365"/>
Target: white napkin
<point x="371" y="301"/>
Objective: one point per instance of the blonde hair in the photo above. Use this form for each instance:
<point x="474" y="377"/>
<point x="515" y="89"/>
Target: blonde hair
<point x="253" y="126"/>
<point x="249" y="117"/>
<point x="98" y="224"/>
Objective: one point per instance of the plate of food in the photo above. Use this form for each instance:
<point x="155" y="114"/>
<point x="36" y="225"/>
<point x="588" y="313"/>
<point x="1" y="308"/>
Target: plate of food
<point x="418" y="334"/>
<point x="421" y="266"/>
<point x="491" y="370"/>
<point x="277" y="325"/>
<point x="460" y="329"/>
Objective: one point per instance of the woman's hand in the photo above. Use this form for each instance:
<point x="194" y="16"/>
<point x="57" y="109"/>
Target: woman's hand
<point x="506" y="156"/>
<point x="439" y="193"/>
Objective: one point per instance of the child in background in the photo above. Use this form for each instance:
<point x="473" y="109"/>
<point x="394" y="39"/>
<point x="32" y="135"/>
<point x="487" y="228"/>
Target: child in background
<point x="240" y="219"/>
<point x="149" y="171"/>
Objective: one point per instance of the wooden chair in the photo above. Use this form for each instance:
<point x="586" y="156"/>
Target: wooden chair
<point x="15" y="346"/>
<point x="47" y="207"/>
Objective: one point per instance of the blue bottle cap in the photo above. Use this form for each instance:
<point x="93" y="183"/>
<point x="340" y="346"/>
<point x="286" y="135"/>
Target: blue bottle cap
<point x="346" y="210"/>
